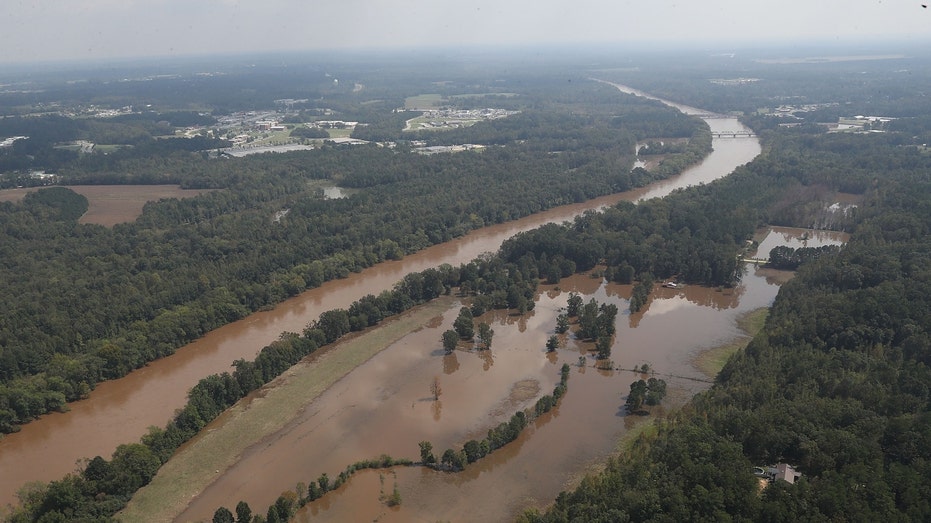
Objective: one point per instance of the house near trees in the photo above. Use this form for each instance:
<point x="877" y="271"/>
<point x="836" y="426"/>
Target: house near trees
<point x="782" y="471"/>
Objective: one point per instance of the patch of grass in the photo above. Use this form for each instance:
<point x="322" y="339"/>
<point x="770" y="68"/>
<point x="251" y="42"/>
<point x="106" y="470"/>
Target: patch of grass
<point x="482" y="95"/>
<point x="274" y="138"/>
<point x="711" y="361"/>
<point x="105" y="148"/>
<point x="339" y="133"/>
<point x="424" y="101"/>
<point x="753" y="321"/>
<point x="647" y="431"/>
<point x="195" y="465"/>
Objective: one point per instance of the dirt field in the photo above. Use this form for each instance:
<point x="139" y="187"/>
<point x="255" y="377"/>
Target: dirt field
<point x="112" y="204"/>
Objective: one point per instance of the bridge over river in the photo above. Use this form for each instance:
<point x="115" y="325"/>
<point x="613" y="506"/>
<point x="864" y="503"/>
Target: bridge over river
<point x="733" y="134"/>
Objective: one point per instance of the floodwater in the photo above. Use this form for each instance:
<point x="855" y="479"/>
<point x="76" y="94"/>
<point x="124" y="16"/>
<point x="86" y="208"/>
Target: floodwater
<point x="385" y="407"/>
<point x="120" y="411"/>
<point x="796" y="238"/>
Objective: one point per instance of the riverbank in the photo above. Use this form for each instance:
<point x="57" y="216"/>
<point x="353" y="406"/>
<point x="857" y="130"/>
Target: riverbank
<point x="249" y="422"/>
<point x="712" y="360"/>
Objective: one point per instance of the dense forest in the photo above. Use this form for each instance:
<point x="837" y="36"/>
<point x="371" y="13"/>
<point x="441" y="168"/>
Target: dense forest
<point x="103" y="302"/>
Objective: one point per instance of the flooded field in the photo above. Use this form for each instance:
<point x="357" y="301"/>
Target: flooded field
<point x="797" y="238"/>
<point x="385" y="407"/>
<point x="109" y="205"/>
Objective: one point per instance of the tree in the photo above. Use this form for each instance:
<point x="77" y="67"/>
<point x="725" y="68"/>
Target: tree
<point x="426" y="453"/>
<point x="650" y="392"/>
<point x="607" y="313"/>
<point x="452" y="459"/>
<point x="223" y="515"/>
<point x="464" y="324"/>
<point x="656" y="391"/>
<point x="574" y="305"/>
<point x="450" y="340"/>
<point x="641" y="293"/>
<point x="243" y="512"/>
<point x="133" y="465"/>
<point x="435" y="388"/>
<point x="485" y="334"/>
<point x="301" y="490"/>
<point x="285" y="505"/>
<point x="588" y="321"/>
<point x="562" y="323"/>
<point x="324" y="482"/>
<point x="603" y="346"/>
<point x="334" y="323"/>
<point x="394" y="499"/>
<point x="552" y="343"/>
<point x="638" y="391"/>
<point x="473" y="451"/>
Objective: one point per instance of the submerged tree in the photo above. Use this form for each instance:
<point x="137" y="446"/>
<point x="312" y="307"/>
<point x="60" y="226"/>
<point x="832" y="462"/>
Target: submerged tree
<point x="464" y="324"/>
<point x="450" y="340"/>
<point x="638" y="391"/>
<point x="394" y="499"/>
<point x="485" y="334"/>
<point x="588" y="321"/>
<point x="562" y="323"/>
<point x="574" y="305"/>
<point x="426" y="453"/>
<point x="650" y="392"/>
<point x="243" y="512"/>
<point x="603" y="347"/>
<point x="435" y="388"/>
<point x="656" y="391"/>
<point x="223" y="515"/>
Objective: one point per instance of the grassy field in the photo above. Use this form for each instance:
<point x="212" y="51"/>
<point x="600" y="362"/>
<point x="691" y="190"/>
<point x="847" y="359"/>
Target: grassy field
<point x="482" y="95"/>
<point x="275" y="137"/>
<point x="339" y="133"/>
<point x="423" y="101"/>
<point x="712" y="361"/>
<point x="197" y="463"/>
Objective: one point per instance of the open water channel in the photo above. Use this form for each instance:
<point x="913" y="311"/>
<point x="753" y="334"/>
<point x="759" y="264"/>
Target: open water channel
<point x="478" y="389"/>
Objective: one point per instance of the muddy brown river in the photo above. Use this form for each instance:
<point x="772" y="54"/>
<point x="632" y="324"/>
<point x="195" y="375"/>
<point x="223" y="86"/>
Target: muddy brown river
<point x="120" y="411"/>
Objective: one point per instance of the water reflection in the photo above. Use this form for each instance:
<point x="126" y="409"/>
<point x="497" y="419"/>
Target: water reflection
<point x="796" y="238"/>
<point x="450" y="363"/>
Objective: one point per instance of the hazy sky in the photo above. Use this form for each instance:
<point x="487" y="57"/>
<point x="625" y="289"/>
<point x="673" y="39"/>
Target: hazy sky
<point x="40" y="30"/>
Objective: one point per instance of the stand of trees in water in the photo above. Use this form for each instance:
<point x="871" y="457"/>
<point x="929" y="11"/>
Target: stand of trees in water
<point x="102" y="302"/>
